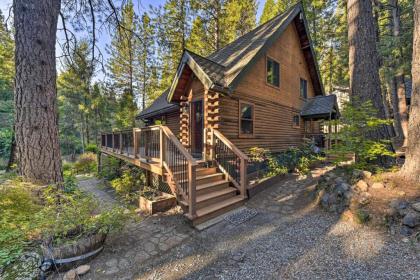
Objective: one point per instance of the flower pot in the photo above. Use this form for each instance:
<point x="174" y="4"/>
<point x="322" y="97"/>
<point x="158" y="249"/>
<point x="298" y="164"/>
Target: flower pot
<point x="66" y="256"/>
<point x="161" y="203"/>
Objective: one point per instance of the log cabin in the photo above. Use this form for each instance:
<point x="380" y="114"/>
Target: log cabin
<point x="261" y="90"/>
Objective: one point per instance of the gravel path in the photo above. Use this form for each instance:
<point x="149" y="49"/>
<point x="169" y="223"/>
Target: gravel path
<point x="290" y="238"/>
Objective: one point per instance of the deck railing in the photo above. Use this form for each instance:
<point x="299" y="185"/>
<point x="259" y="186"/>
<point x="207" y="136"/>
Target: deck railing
<point x="158" y="145"/>
<point x="229" y="159"/>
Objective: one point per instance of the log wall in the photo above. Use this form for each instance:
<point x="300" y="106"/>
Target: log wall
<point x="274" y="107"/>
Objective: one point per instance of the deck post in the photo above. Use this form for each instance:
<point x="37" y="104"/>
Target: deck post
<point x="135" y="147"/>
<point x="106" y="141"/>
<point x="211" y="144"/>
<point x="99" y="161"/>
<point x="191" y="191"/>
<point x="243" y="178"/>
<point x="121" y="144"/>
<point x="162" y="147"/>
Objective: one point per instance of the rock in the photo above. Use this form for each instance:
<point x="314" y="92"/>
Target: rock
<point x="362" y="186"/>
<point x="366" y="174"/>
<point x="324" y="200"/>
<point x="364" y="198"/>
<point x="339" y="180"/>
<point x="416" y="206"/>
<point x="342" y="188"/>
<point x="70" y="275"/>
<point x="24" y="267"/>
<point x="412" y="219"/>
<point x="348" y="215"/>
<point x="406" y="231"/>
<point x="83" y="269"/>
<point x="377" y="186"/>
<point x="398" y="204"/>
<point x="357" y="174"/>
<point x="239" y="257"/>
<point x="401" y="193"/>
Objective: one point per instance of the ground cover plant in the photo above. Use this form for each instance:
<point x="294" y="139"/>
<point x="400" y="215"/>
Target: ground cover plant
<point x="32" y="214"/>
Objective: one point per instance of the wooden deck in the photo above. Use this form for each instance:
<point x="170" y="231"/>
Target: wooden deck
<point x="205" y="188"/>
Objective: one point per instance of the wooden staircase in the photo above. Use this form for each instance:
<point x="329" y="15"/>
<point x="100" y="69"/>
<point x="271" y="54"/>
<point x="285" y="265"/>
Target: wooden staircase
<point x="214" y="195"/>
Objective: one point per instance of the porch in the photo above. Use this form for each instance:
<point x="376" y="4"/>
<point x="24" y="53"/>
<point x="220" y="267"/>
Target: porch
<point x="206" y="187"/>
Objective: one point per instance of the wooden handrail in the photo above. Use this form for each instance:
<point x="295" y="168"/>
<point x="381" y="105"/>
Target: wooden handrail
<point x="242" y="184"/>
<point x="178" y="144"/>
<point x="230" y="145"/>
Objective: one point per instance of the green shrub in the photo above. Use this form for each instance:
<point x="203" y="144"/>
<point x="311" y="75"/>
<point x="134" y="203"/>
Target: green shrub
<point x="356" y="123"/>
<point x="91" y="148"/>
<point x="110" y="168"/>
<point x="30" y="213"/>
<point x="274" y="167"/>
<point x="70" y="215"/>
<point x="362" y="216"/>
<point x="130" y="182"/>
<point x="86" y="164"/>
<point x="17" y="206"/>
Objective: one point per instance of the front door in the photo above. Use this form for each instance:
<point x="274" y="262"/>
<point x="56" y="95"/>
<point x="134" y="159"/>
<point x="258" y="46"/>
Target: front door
<point x="197" y="127"/>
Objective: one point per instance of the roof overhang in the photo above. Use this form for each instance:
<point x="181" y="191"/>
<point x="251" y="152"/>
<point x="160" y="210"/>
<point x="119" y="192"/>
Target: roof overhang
<point x="185" y="67"/>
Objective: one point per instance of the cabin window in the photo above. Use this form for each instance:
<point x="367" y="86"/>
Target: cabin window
<point x="296" y="121"/>
<point x="308" y="126"/>
<point x="246" y="118"/>
<point x="303" y="88"/>
<point x="273" y="72"/>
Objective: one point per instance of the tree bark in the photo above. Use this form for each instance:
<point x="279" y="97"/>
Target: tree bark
<point x="398" y="86"/>
<point x="36" y="118"/>
<point x="411" y="168"/>
<point x="364" y="60"/>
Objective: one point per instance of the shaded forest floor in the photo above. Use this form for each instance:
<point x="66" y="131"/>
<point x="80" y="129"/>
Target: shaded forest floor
<point x="289" y="238"/>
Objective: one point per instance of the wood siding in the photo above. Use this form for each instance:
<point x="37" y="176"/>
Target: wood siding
<point x="274" y="107"/>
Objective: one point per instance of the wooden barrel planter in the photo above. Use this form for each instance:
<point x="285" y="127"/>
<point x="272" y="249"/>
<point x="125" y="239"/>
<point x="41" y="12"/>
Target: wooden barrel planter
<point x="66" y="256"/>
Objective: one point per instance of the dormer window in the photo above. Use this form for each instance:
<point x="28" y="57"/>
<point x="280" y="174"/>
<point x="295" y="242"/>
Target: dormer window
<point x="273" y="72"/>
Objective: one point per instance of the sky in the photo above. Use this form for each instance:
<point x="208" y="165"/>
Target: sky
<point x="104" y="38"/>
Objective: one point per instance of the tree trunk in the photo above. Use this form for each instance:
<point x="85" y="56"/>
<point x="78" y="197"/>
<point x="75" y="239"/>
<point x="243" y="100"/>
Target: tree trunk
<point x="411" y="168"/>
<point x="36" y="118"/>
<point x="363" y="61"/>
<point x="399" y="102"/>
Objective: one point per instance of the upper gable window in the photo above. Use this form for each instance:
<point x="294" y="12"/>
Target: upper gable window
<point x="273" y="72"/>
<point x="303" y="88"/>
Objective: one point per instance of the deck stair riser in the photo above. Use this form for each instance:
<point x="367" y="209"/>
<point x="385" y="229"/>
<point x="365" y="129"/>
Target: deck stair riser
<point x="215" y="197"/>
<point x="211" y="187"/>
<point x="209" y="178"/>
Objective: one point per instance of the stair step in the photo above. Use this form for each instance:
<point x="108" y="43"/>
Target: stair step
<point x="206" y="171"/>
<point x="216" y="209"/>
<point x="212" y="186"/>
<point x="209" y="178"/>
<point x="214" y="197"/>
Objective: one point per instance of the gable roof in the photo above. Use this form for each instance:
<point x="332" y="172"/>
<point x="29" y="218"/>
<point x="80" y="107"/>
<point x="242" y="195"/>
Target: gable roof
<point x="225" y="68"/>
<point x="320" y="107"/>
<point x="160" y="106"/>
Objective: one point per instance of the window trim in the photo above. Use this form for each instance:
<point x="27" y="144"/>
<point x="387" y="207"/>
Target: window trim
<point x="245" y="135"/>
<point x="293" y="120"/>
<point x="300" y="87"/>
<point x="267" y="57"/>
